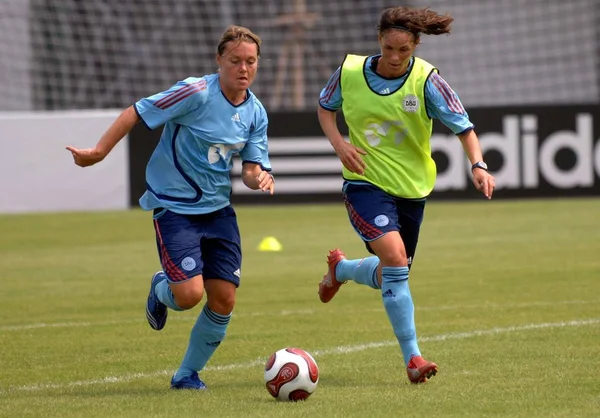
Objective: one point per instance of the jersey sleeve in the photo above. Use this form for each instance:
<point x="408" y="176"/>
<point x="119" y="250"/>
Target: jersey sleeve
<point x="444" y="105"/>
<point x="331" y="95"/>
<point x="256" y="149"/>
<point x="182" y="98"/>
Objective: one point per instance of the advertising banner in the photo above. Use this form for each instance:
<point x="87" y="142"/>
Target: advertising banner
<point x="546" y="151"/>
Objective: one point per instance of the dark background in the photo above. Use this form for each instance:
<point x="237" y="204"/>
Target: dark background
<point x="293" y="124"/>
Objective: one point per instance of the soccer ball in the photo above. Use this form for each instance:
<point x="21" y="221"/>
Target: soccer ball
<point x="291" y="374"/>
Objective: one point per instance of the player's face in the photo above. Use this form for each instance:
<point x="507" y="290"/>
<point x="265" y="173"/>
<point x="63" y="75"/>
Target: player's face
<point x="397" y="46"/>
<point x="238" y="65"/>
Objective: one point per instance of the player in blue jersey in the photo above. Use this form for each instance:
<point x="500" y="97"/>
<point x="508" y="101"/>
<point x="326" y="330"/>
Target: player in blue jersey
<point x="389" y="101"/>
<point x="206" y="121"/>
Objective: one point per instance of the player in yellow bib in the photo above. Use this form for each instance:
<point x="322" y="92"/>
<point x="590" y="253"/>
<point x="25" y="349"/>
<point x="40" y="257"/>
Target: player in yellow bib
<point x="389" y="101"/>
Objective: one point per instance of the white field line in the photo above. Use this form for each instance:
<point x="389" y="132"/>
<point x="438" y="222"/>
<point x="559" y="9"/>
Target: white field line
<point x="317" y="353"/>
<point x="184" y="317"/>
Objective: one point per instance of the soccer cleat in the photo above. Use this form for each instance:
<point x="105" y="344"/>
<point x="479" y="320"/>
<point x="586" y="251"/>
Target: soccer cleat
<point x="420" y="370"/>
<point x="156" y="311"/>
<point x="188" y="382"/>
<point x="329" y="285"/>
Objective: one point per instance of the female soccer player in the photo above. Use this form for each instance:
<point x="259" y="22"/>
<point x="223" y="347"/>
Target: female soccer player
<point x="206" y="121"/>
<point x="388" y="101"/>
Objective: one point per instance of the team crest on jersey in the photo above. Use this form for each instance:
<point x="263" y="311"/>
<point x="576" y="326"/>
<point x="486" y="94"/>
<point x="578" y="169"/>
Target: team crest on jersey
<point x="410" y="103"/>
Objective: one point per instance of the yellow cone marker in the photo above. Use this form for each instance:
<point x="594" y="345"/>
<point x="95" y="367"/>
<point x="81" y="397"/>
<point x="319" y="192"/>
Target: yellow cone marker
<point x="269" y="244"/>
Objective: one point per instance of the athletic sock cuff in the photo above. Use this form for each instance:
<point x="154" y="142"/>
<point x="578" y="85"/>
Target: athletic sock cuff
<point x="217" y="318"/>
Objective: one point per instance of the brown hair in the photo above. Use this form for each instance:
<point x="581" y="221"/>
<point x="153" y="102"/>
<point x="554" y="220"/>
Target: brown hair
<point x="238" y="33"/>
<point x="416" y="21"/>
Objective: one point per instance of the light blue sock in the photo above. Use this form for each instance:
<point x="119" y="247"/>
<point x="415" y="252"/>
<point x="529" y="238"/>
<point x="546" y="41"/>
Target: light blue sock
<point x="206" y="335"/>
<point x="165" y="295"/>
<point x="400" y="309"/>
<point x="362" y="271"/>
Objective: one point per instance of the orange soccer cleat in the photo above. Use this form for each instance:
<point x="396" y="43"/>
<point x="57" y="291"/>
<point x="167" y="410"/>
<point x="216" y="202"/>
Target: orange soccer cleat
<point x="420" y="370"/>
<point x="329" y="285"/>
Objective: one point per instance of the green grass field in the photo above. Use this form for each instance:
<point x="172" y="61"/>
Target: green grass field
<point x="507" y="297"/>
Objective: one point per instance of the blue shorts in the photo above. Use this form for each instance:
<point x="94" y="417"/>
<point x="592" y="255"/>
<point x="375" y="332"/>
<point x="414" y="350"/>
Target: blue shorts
<point x="208" y="244"/>
<point x="373" y="213"/>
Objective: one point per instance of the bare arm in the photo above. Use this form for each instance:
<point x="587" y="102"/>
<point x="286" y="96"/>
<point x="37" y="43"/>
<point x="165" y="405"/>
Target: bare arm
<point x="120" y="127"/>
<point x="255" y="178"/>
<point x="328" y="123"/>
<point x="483" y="181"/>
<point x="470" y="144"/>
<point x="348" y="154"/>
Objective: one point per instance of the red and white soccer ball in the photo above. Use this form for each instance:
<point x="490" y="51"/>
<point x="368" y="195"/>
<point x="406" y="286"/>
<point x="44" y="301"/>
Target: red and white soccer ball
<point x="291" y="374"/>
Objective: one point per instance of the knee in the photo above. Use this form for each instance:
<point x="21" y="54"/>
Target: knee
<point x="189" y="297"/>
<point x="394" y="259"/>
<point x="222" y="302"/>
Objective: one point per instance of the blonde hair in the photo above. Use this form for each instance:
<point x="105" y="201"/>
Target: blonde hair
<point x="240" y="34"/>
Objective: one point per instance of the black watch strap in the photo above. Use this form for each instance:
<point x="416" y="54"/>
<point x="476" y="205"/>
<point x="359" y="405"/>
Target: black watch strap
<point x="479" y="164"/>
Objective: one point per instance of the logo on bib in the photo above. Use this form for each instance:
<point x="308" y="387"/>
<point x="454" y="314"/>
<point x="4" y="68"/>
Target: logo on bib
<point x="410" y="103"/>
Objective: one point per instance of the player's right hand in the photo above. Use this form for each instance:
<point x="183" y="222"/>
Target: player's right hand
<point x="484" y="182"/>
<point x="350" y="156"/>
<point x="86" y="157"/>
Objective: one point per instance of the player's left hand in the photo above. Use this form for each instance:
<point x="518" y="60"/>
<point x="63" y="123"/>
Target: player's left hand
<point x="266" y="182"/>
<point x="484" y="182"/>
<point x="86" y="157"/>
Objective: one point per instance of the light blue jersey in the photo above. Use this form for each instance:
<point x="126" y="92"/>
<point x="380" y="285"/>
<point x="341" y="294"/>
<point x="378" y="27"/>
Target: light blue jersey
<point x="442" y="102"/>
<point x="189" y="171"/>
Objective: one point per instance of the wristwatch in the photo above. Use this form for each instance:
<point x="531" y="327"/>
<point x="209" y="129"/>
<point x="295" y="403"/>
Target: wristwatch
<point x="479" y="164"/>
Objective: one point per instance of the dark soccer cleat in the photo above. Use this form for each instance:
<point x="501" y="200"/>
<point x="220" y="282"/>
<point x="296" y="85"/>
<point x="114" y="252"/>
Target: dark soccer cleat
<point x="156" y="311"/>
<point x="189" y="382"/>
<point x="420" y="370"/>
<point x="329" y="285"/>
